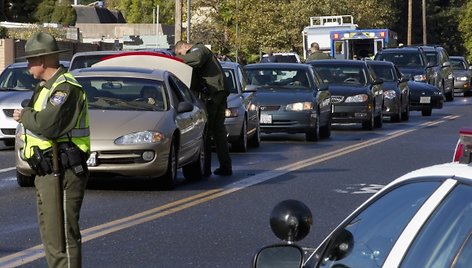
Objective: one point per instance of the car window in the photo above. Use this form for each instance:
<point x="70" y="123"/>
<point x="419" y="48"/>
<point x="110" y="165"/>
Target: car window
<point x="372" y="232"/>
<point x="384" y="72"/>
<point x="85" y="61"/>
<point x="402" y="58"/>
<point x="117" y="93"/>
<point x="242" y="77"/>
<point x="230" y="81"/>
<point x="432" y="57"/>
<point x="183" y="93"/>
<point x="445" y="232"/>
<point x="295" y="78"/>
<point x="458" y="64"/>
<point x="17" y="79"/>
<point x="335" y="74"/>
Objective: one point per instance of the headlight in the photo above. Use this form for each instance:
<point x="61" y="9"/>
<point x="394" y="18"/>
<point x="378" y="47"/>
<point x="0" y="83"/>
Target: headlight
<point x="461" y="78"/>
<point x="140" y="138"/>
<point x="299" y="106"/>
<point x="231" y="112"/>
<point x="419" y="78"/>
<point x="252" y="107"/>
<point x="390" y="94"/>
<point x="357" y="98"/>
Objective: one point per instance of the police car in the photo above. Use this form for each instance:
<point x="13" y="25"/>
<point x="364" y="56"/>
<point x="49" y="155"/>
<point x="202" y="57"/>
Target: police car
<point x="422" y="219"/>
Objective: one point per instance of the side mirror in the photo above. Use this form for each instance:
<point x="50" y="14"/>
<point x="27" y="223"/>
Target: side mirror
<point x="288" y="256"/>
<point x="250" y="88"/>
<point x="377" y="82"/>
<point x="341" y="246"/>
<point x="184" y="107"/>
<point x="324" y="87"/>
<point x="446" y="64"/>
<point x="404" y="78"/>
<point x="25" y="102"/>
<point x="291" y="220"/>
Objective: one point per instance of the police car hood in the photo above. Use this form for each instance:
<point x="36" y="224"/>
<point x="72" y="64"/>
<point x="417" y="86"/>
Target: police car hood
<point x="110" y="124"/>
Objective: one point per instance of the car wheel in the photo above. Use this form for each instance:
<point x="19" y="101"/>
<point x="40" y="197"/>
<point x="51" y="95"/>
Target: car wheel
<point x="255" y="140"/>
<point x="325" y="132"/>
<point x="379" y="119"/>
<point x="169" y="179"/>
<point x="370" y="123"/>
<point x="314" y="133"/>
<point x="24" y="180"/>
<point x="240" y="145"/>
<point x="9" y="142"/>
<point x="427" y="112"/>
<point x="194" y="170"/>
<point x="449" y="95"/>
<point x="406" y="113"/>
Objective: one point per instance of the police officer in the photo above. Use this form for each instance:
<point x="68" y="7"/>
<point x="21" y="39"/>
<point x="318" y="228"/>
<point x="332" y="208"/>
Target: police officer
<point x="316" y="53"/>
<point x="56" y="146"/>
<point x="208" y="79"/>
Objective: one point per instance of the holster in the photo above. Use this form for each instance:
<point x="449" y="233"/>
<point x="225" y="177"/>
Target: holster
<point x="40" y="162"/>
<point x="74" y="158"/>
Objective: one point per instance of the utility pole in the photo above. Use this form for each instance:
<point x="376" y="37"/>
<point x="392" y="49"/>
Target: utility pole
<point x="410" y="20"/>
<point x="178" y="21"/>
<point x="425" y="40"/>
<point x="188" y="21"/>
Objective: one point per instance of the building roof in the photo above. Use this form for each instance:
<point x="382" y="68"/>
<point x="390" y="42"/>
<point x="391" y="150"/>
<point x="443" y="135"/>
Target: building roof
<point x="95" y="14"/>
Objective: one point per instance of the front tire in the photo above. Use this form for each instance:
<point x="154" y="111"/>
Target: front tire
<point x="369" y="124"/>
<point x="169" y="180"/>
<point x="240" y="145"/>
<point x="255" y="140"/>
<point x="427" y="112"/>
<point x="194" y="171"/>
<point x="314" y="133"/>
<point x="24" y="180"/>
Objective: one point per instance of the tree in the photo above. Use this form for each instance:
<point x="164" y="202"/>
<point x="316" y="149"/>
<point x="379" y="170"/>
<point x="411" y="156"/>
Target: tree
<point x="465" y="24"/>
<point x="20" y="11"/>
<point x="141" y="11"/>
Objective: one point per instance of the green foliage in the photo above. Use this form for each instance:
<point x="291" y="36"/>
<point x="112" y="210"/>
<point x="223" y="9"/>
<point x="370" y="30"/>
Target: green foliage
<point x="141" y="11"/>
<point x="465" y="24"/>
<point x="3" y="32"/>
<point x="64" y="14"/>
<point x="44" y="11"/>
<point x="20" y="11"/>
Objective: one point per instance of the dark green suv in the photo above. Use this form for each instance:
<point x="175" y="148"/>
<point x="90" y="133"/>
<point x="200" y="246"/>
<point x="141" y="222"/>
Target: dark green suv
<point x="442" y="77"/>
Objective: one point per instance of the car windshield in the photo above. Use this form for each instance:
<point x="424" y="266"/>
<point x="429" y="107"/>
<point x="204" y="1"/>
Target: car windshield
<point x="17" y="79"/>
<point x="230" y="81"/>
<point x="342" y="74"/>
<point x="85" y="61"/>
<point x="458" y="64"/>
<point x="110" y="93"/>
<point x="290" y="78"/>
<point x="374" y="230"/>
<point x="402" y="58"/>
<point x="432" y="57"/>
<point x="384" y="72"/>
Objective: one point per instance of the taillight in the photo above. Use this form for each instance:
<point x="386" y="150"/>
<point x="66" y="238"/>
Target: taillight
<point x="458" y="151"/>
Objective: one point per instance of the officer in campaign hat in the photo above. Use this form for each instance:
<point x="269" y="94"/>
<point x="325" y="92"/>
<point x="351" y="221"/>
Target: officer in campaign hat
<point x="56" y="139"/>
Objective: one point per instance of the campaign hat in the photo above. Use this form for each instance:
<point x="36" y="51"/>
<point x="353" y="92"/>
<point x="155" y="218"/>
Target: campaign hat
<point x="41" y="44"/>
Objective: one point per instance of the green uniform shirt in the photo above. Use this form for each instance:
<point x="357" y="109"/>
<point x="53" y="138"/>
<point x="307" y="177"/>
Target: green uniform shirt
<point x="318" y="56"/>
<point x="60" y="114"/>
<point x="205" y="66"/>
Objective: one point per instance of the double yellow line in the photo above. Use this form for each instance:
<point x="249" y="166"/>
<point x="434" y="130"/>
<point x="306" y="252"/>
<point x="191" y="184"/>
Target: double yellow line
<point x="36" y="252"/>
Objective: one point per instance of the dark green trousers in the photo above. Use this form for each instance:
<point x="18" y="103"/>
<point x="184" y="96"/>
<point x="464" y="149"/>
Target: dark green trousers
<point x="216" y="107"/>
<point x="49" y="218"/>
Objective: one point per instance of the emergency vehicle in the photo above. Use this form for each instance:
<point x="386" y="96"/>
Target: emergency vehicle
<point x="360" y="43"/>
<point x="320" y="28"/>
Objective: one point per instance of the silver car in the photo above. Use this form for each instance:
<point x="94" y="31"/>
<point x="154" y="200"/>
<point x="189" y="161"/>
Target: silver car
<point x="242" y="113"/>
<point x="144" y="122"/>
<point x="16" y="85"/>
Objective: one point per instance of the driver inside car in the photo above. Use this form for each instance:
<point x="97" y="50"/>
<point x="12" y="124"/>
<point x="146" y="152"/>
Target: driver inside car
<point x="151" y="94"/>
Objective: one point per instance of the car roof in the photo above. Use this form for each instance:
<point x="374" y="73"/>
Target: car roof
<point x="338" y="62"/>
<point x="120" y="71"/>
<point x="396" y="49"/>
<point x="277" y="65"/>
<point x="453" y="169"/>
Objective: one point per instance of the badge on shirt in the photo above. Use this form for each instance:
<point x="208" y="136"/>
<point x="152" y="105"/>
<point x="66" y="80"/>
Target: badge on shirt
<point x="58" y="98"/>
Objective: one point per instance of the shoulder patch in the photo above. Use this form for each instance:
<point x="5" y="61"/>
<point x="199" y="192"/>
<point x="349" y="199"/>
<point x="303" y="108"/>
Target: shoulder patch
<point x="58" y="98"/>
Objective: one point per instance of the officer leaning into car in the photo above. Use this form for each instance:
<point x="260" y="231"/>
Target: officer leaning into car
<point x="208" y="79"/>
<point x="56" y="146"/>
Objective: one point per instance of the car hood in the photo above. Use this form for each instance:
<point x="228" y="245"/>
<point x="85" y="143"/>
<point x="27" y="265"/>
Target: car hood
<point x="271" y="96"/>
<point x="412" y="70"/>
<point x="338" y="89"/>
<point x="419" y="88"/>
<point x="110" y="124"/>
<point x="461" y="73"/>
<point x="14" y="98"/>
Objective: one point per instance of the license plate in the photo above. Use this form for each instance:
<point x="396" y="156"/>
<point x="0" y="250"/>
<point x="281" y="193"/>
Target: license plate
<point x="266" y="119"/>
<point x="425" y="99"/>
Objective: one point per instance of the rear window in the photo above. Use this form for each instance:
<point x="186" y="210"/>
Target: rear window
<point x="85" y="61"/>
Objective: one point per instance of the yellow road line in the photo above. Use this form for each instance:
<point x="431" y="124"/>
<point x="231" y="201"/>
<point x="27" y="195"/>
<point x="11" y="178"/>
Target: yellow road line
<point x="36" y="252"/>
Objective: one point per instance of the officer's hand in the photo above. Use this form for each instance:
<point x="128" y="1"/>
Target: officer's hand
<point x="17" y="115"/>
